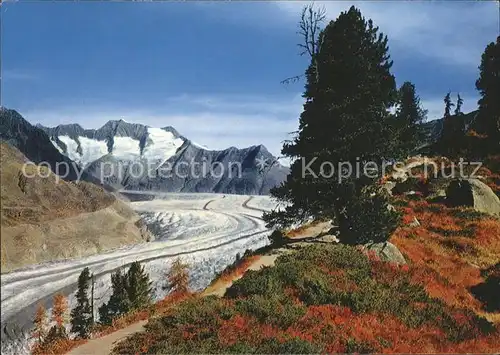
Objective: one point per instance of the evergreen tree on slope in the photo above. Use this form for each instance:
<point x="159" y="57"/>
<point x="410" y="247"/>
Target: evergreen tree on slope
<point x="138" y="286"/>
<point x="349" y="90"/>
<point x="409" y="117"/>
<point x="451" y="140"/>
<point x="118" y="303"/>
<point x="81" y="315"/>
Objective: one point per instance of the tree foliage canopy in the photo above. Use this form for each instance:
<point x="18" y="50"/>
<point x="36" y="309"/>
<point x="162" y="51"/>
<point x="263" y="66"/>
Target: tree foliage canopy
<point x="81" y="315"/>
<point x="346" y="118"/>
<point x="488" y="85"/>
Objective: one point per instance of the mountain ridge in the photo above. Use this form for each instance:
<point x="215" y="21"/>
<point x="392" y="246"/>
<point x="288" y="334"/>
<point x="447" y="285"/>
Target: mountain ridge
<point x="119" y="146"/>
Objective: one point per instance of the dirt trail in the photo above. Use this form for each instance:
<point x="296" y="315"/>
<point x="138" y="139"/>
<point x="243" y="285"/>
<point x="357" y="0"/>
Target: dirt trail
<point x="105" y="344"/>
<point x="219" y="288"/>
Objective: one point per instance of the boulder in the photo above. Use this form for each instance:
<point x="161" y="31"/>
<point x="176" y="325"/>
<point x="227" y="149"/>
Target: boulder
<point x="473" y="193"/>
<point x="327" y="238"/>
<point x="386" y="252"/>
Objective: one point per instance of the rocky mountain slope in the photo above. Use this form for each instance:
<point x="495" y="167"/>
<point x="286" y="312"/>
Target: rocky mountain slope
<point x="44" y="218"/>
<point x="33" y="143"/>
<point x="137" y="157"/>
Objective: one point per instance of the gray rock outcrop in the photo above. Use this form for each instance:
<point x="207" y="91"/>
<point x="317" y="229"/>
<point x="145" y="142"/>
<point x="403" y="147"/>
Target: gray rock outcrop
<point x="386" y="252"/>
<point x="473" y="193"/>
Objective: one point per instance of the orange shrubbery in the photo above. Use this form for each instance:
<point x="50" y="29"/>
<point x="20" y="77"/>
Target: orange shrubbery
<point x="449" y="249"/>
<point x="159" y="308"/>
<point x="57" y="347"/>
<point x="334" y="299"/>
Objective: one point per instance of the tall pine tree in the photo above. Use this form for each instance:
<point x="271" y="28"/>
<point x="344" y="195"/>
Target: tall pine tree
<point x="118" y="303"/>
<point x="81" y="315"/>
<point x="452" y="136"/>
<point x="488" y="85"/>
<point x="138" y="286"/>
<point x="349" y="91"/>
<point x="460" y="102"/>
<point x="408" y="124"/>
<point x="448" y="105"/>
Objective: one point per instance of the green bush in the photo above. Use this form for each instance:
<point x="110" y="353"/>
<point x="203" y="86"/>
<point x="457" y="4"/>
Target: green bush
<point x="277" y="310"/>
<point x="277" y="238"/>
<point x="264" y="282"/>
<point x="356" y="347"/>
<point x="290" y="346"/>
<point x="363" y="215"/>
<point x="468" y="214"/>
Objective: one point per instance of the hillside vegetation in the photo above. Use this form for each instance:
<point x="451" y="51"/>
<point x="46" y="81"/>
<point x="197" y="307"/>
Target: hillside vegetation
<point x="335" y="298"/>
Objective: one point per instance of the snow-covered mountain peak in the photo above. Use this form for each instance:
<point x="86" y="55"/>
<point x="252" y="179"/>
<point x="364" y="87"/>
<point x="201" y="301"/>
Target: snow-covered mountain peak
<point x="123" y="140"/>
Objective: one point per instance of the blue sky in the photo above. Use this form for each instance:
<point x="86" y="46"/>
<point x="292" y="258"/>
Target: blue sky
<point x="213" y="69"/>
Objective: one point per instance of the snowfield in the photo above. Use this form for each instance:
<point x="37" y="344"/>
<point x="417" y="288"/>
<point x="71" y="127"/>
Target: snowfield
<point x="204" y="230"/>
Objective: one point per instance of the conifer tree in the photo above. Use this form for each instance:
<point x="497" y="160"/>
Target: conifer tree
<point x="60" y="317"/>
<point x="408" y="123"/>
<point x="178" y="277"/>
<point x="365" y="216"/>
<point x="460" y="102"/>
<point x="81" y="315"/>
<point x="118" y="303"/>
<point x="60" y="310"/>
<point x="40" y="323"/>
<point x="349" y="91"/>
<point x="138" y="286"/>
<point x="453" y="132"/>
<point x="488" y="85"/>
<point x="448" y="105"/>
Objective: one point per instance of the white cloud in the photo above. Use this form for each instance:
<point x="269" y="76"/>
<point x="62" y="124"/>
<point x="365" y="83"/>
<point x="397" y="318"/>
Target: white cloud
<point x="18" y="74"/>
<point x="455" y="32"/>
<point x="218" y="122"/>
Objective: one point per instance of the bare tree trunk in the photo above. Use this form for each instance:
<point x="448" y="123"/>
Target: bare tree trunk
<point x="92" y="299"/>
<point x="310" y="31"/>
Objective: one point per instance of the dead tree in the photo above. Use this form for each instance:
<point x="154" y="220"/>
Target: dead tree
<point x="310" y="31"/>
<point x="92" y="299"/>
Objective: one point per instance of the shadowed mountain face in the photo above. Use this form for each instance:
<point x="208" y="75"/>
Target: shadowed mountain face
<point x="34" y="143"/>
<point x="137" y="157"/>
